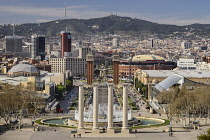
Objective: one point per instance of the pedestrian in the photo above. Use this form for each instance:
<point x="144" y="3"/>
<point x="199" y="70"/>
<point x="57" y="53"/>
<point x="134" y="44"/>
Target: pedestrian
<point x="103" y="129"/>
<point x="74" y="135"/>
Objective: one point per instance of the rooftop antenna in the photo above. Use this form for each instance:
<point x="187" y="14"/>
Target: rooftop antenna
<point x="65" y="9"/>
<point x="65" y="12"/>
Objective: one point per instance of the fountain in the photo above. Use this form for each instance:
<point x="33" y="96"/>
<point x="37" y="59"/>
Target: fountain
<point x="103" y="113"/>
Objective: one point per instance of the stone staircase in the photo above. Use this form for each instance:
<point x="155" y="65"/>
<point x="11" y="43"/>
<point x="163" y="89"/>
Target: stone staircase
<point x="159" y="111"/>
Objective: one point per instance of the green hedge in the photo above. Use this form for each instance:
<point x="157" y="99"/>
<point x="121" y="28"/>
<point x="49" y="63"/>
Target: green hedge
<point x="71" y="108"/>
<point x="134" y="108"/>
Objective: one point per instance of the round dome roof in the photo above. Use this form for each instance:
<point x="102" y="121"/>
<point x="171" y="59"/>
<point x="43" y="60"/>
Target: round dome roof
<point x="147" y="57"/>
<point x="154" y="81"/>
<point x="23" y="67"/>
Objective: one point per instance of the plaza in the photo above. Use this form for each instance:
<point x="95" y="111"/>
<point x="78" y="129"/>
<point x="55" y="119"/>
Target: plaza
<point x="152" y="133"/>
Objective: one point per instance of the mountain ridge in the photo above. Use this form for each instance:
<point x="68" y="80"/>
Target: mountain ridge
<point x="109" y="24"/>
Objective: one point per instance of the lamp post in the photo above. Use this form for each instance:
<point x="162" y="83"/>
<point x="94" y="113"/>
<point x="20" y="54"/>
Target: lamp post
<point x="170" y="128"/>
<point x="130" y="70"/>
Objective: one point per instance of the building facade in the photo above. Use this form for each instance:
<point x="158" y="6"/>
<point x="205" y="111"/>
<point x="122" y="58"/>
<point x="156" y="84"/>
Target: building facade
<point x="13" y="44"/>
<point x="77" y="66"/>
<point x="65" y="42"/>
<point x="186" y="45"/>
<point x="186" y="64"/>
<point x="144" y="62"/>
<point x="147" y="76"/>
<point x="37" y="47"/>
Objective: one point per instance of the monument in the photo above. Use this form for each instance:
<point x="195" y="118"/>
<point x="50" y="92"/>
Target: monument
<point x="100" y="113"/>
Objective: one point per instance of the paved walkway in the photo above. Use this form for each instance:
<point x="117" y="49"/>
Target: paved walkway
<point x="153" y="133"/>
<point x="64" y="134"/>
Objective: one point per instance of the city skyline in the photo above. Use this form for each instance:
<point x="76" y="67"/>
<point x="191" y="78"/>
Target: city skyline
<point x="178" y="12"/>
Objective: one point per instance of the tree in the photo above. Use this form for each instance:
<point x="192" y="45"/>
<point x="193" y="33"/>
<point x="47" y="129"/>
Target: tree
<point x="14" y="100"/>
<point x="68" y="85"/>
<point x="183" y="103"/>
<point x="60" y="89"/>
<point x="9" y="102"/>
<point x="144" y="89"/>
<point x="204" y="137"/>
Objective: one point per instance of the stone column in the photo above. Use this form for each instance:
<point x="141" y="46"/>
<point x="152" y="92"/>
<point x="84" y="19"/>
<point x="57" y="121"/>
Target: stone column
<point x="95" y="128"/>
<point x="125" y="109"/>
<point x="81" y="110"/>
<point x="110" y="128"/>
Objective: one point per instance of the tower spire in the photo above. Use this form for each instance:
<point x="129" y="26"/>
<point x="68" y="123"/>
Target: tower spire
<point x="65" y="10"/>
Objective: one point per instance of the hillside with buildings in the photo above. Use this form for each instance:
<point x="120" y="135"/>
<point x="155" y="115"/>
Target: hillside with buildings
<point x="110" y="24"/>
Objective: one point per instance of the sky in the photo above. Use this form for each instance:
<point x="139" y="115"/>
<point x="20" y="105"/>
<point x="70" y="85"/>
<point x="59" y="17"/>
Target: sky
<point x="178" y="12"/>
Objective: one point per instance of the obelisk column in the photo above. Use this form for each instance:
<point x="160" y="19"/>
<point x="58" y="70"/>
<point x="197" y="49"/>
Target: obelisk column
<point x="125" y="109"/>
<point x="81" y="110"/>
<point x="95" y="128"/>
<point x="110" y="128"/>
<point x="116" y="61"/>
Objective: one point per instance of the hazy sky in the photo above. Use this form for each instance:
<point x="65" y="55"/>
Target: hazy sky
<point x="179" y="12"/>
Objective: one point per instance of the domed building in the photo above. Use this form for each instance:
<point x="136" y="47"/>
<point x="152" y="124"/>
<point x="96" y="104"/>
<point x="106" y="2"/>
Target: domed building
<point x="23" y="69"/>
<point x="144" y="62"/>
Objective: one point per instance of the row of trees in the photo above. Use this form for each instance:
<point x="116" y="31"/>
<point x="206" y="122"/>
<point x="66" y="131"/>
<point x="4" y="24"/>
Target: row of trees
<point x="60" y="89"/>
<point x="18" y="101"/>
<point x="183" y="103"/>
<point x="141" y="87"/>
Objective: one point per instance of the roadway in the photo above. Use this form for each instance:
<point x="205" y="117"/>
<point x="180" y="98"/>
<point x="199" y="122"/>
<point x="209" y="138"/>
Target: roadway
<point x="69" y="99"/>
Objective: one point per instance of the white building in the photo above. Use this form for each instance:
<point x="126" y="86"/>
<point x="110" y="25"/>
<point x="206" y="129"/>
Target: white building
<point x="202" y="66"/>
<point x="115" y="42"/>
<point x="77" y="66"/>
<point x="186" y="64"/>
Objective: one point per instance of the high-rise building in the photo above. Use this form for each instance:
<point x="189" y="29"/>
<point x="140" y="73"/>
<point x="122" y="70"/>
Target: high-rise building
<point x="49" y="48"/>
<point x="65" y="42"/>
<point x="83" y="52"/>
<point x="13" y="44"/>
<point x="186" y="45"/>
<point x="37" y="46"/>
<point x="115" y="42"/>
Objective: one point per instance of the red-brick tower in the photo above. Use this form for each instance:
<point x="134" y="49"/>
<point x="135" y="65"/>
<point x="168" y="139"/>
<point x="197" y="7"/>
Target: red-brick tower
<point x="90" y="70"/>
<point x="65" y="42"/>
<point x="115" y="61"/>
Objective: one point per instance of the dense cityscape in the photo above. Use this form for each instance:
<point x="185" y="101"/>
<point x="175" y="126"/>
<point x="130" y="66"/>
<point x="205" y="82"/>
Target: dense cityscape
<point x="110" y="77"/>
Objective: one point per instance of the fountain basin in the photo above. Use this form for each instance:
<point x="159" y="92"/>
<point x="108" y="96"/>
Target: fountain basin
<point x="134" y="122"/>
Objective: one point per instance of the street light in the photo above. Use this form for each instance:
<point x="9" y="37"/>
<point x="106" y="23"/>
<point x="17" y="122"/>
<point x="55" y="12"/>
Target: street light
<point x="130" y="60"/>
